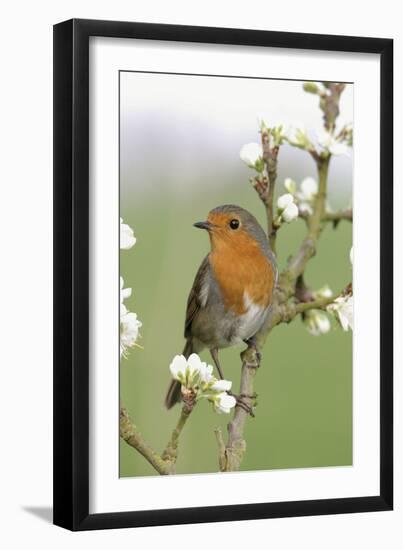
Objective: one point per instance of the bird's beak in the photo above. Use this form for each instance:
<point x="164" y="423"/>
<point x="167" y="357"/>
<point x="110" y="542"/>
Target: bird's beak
<point x="203" y="225"/>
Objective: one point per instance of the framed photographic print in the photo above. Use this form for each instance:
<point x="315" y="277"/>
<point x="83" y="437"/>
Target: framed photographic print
<point x="221" y="353"/>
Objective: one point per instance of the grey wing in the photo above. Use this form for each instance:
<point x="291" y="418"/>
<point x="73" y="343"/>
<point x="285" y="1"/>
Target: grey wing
<point x="198" y="295"/>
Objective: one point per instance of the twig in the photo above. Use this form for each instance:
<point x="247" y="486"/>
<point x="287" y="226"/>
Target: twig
<point x="329" y="103"/>
<point x="288" y="312"/>
<point x="231" y="455"/>
<point x="296" y="265"/>
<point x="270" y="156"/>
<point x="336" y="217"/>
<point x="170" y="453"/>
<point x="130" y="433"/>
<point x="164" y="464"/>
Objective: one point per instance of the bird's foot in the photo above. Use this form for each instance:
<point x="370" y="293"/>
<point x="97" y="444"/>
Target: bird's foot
<point x="252" y="345"/>
<point x="240" y="402"/>
<point x="251" y="357"/>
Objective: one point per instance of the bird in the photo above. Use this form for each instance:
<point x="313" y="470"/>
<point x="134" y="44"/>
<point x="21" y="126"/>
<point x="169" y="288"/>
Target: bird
<point x="232" y="292"/>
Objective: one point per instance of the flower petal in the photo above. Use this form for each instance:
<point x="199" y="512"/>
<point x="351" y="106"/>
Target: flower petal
<point x="129" y="331"/>
<point x="206" y="373"/>
<point x="221" y="385"/>
<point x="127" y="238"/>
<point x="178" y="366"/>
<point x="195" y="363"/>
<point x="284" y="200"/>
<point x="309" y="188"/>
<point x="290" y="213"/>
<point x="223" y="403"/>
<point x="251" y="153"/>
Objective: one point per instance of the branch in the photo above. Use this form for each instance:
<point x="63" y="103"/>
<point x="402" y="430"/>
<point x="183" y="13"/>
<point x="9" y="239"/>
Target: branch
<point x="231" y="455"/>
<point x="296" y="265"/>
<point x="130" y="433"/>
<point x="170" y="453"/>
<point x="164" y="464"/>
<point x="336" y="217"/>
<point x="264" y="184"/>
<point x="329" y="104"/>
<point x="288" y="312"/>
<point x="270" y="155"/>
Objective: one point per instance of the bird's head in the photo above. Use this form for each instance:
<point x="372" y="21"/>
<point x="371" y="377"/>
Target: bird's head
<point x="233" y="226"/>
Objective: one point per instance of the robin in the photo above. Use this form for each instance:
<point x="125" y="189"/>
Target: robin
<point x="232" y="292"/>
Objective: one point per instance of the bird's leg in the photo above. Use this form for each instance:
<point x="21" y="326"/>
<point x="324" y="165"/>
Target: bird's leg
<point x="214" y="355"/>
<point x="251" y="343"/>
<point x="239" y="398"/>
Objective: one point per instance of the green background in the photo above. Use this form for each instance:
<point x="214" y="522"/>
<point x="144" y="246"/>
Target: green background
<point x="304" y="385"/>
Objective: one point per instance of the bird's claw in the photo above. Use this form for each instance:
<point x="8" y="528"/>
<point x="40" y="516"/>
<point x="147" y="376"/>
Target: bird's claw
<point x="251" y="343"/>
<point x="250" y="409"/>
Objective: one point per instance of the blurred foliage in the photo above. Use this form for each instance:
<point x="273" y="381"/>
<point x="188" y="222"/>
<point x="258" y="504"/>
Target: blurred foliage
<point x="304" y="385"/>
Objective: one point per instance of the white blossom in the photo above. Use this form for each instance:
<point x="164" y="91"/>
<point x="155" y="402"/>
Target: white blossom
<point x="306" y="195"/>
<point x="129" y="324"/>
<point x="284" y="200"/>
<point x="221" y="385"/>
<point x="317" y="322"/>
<point x="290" y="185"/>
<point x="127" y="238"/>
<point x="223" y="403"/>
<point x="343" y="308"/>
<point x="327" y="141"/>
<point x="178" y="367"/>
<point x="308" y="189"/>
<point x="129" y="331"/>
<point x="195" y="375"/>
<point x="124" y="293"/>
<point x="351" y="256"/>
<point x="186" y="371"/>
<point x="290" y="213"/>
<point x="287" y="209"/>
<point x="252" y="155"/>
<point x="206" y="374"/>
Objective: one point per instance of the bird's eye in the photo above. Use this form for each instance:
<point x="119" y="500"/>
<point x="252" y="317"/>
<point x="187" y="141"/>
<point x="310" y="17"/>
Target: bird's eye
<point x="234" y="224"/>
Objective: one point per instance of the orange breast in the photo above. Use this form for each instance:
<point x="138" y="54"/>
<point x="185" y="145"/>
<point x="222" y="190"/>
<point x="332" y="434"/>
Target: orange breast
<point x="242" y="269"/>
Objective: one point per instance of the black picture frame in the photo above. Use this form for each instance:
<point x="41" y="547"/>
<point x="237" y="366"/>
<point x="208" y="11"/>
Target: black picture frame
<point x="71" y="274"/>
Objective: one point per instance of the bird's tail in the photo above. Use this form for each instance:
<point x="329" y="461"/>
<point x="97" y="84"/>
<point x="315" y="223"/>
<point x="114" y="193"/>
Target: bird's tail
<point x="173" y="395"/>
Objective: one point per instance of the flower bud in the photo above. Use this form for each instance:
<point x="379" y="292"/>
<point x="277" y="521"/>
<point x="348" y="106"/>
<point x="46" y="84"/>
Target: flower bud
<point x="287" y="209"/>
<point x="252" y="155"/>
<point x="290" y="213"/>
<point x="290" y="185"/>
<point x="311" y="87"/>
<point x="298" y="137"/>
<point x="324" y="292"/>
<point x="284" y="200"/>
<point x="317" y="322"/>
<point x="309" y="189"/>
